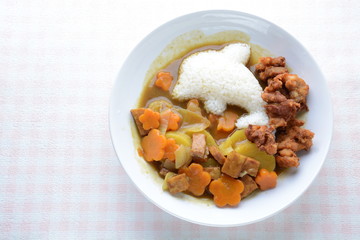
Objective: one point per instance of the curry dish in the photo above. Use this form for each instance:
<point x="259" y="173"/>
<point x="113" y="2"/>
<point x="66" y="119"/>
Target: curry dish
<point x="204" y="150"/>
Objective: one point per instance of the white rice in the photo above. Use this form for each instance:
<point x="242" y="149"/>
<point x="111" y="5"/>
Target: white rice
<point x="219" y="78"/>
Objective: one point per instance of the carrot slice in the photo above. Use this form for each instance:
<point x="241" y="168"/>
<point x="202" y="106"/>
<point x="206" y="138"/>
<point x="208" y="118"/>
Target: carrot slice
<point x="153" y="146"/>
<point x="170" y="149"/>
<point x="265" y="179"/>
<point x="227" y="122"/>
<point x="226" y="191"/>
<point x="198" y="178"/>
<point x="150" y="119"/>
<point x="163" y="80"/>
<point x="172" y="118"/>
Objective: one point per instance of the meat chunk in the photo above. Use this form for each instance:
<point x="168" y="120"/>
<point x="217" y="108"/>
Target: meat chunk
<point x="274" y="84"/>
<point x="277" y="122"/>
<point x="287" y="158"/>
<point x="295" y="122"/>
<point x="280" y="122"/>
<point x="251" y="167"/>
<point x="290" y="140"/>
<point x="178" y="183"/>
<point x="286" y="110"/>
<point x="215" y="152"/>
<point x="263" y="137"/>
<point x="163" y="171"/>
<point x="237" y="165"/>
<point x="294" y="138"/>
<point x="298" y="89"/>
<point x="233" y="164"/>
<point x="269" y="61"/>
<point x="286" y="95"/>
<point x="214" y="172"/>
<point x="270" y="67"/>
<point x="273" y="97"/>
<point x="291" y="86"/>
<point x="275" y="92"/>
<point x="198" y="148"/>
<point x="168" y="164"/>
<point x="271" y="72"/>
<point x="136" y="113"/>
<point x="249" y="186"/>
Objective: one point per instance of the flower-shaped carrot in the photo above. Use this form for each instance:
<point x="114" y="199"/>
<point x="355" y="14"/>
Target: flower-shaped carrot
<point x="170" y="149"/>
<point x="150" y="119"/>
<point x="198" y="178"/>
<point x="226" y="190"/>
<point x="163" y="80"/>
<point x="227" y="122"/>
<point x="153" y="146"/>
<point x="266" y="179"/>
<point x="172" y="118"/>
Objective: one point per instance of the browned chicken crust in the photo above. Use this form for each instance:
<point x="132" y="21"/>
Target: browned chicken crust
<point x="265" y="62"/>
<point x="294" y="138"/>
<point x="286" y="110"/>
<point x="287" y="158"/>
<point x="263" y="137"/>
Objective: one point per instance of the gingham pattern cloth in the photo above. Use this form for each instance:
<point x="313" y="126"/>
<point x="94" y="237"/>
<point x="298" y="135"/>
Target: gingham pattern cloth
<point x="59" y="176"/>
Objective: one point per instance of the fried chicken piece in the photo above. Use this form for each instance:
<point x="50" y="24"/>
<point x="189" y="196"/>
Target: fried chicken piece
<point x="290" y="140"/>
<point x="274" y="84"/>
<point x="298" y="89"/>
<point x="271" y="72"/>
<point x="295" y="122"/>
<point x="280" y="122"/>
<point x="273" y="97"/>
<point x="291" y="86"/>
<point x="286" y="95"/>
<point x="275" y="92"/>
<point x="294" y="138"/>
<point x="270" y="67"/>
<point x="263" y="137"/>
<point x="277" y="122"/>
<point x="287" y="158"/>
<point x="269" y="61"/>
<point x="286" y="109"/>
<point x="278" y="84"/>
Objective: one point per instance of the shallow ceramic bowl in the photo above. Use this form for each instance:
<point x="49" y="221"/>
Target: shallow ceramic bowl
<point x="291" y="184"/>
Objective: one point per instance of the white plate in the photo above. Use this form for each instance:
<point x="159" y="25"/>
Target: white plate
<point x="291" y="184"/>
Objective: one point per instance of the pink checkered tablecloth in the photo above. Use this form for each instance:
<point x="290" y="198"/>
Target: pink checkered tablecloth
<point x="59" y="176"/>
